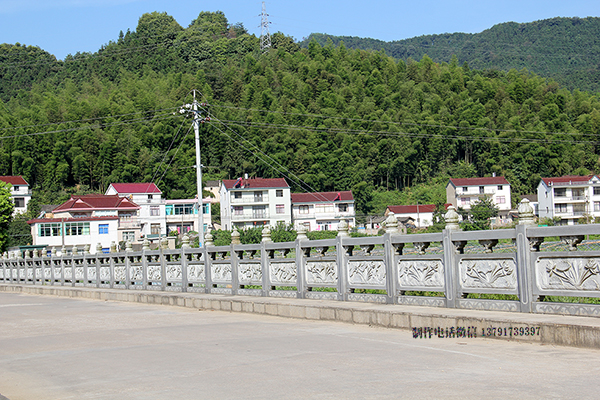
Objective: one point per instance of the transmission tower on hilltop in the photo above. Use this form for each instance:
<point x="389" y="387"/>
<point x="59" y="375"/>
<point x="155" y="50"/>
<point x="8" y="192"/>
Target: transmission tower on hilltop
<point x="265" y="36"/>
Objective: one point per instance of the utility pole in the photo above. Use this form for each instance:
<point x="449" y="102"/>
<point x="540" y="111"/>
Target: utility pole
<point x="265" y="36"/>
<point x="198" y="119"/>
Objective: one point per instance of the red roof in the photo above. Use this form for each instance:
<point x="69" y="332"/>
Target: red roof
<point x="14" y="180"/>
<point x="568" y="179"/>
<point x="412" y="209"/>
<point x="130" y="188"/>
<point x="256" y="183"/>
<point x="322" y="197"/>
<point x="92" y="202"/>
<point x="85" y="219"/>
<point x="489" y="180"/>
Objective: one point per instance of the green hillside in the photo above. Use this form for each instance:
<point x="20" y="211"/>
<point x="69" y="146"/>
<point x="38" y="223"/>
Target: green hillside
<point x="565" y="49"/>
<point x="326" y="118"/>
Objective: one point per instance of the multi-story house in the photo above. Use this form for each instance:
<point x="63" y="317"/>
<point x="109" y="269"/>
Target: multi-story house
<point x="182" y="215"/>
<point x="465" y="192"/>
<point x="323" y="210"/>
<point x="254" y="202"/>
<point x="88" y="220"/>
<point x="419" y="215"/>
<point x="19" y="192"/>
<point x="152" y="206"/>
<point x="569" y="197"/>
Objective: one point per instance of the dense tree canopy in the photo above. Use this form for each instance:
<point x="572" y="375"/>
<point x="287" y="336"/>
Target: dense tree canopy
<point x="327" y="118"/>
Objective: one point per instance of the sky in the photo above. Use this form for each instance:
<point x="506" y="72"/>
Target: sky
<point x="64" y="27"/>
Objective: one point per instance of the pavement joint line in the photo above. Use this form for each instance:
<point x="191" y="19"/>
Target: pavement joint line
<point x="562" y="330"/>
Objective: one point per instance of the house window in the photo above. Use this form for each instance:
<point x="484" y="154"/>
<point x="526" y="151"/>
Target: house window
<point x="465" y="189"/>
<point x="150" y="197"/>
<point x="258" y="212"/>
<point x="238" y="210"/>
<point x="577" y="194"/>
<point x="596" y="190"/>
<point x="560" y="208"/>
<point x="184" y="209"/>
<point x="481" y="190"/>
<point x="237" y="195"/>
<point x="280" y="209"/>
<point x="303" y="209"/>
<point x="154" y="211"/>
<point x="343" y="207"/>
<point x="464" y="201"/>
<point x="499" y="187"/>
<point x="279" y="193"/>
<point x="19" y="202"/>
<point x="155" y="229"/>
<point x="560" y="192"/>
<point x="205" y="209"/>
<point x="258" y="196"/>
<point x="597" y="206"/>
<point x="103" y="229"/>
<point x="501" y="199"/>
<point x="129" y="236"/>
<point x="77" y="228"/>
<point x="16" y="188"/>
<point x="49" y="230"/>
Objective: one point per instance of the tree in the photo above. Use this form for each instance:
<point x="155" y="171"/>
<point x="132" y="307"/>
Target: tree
<point x="480" y="214"/>
<point x="6" y="211"/>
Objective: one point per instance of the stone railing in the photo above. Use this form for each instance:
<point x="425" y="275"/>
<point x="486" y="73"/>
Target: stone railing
<point x="449" y="269"/>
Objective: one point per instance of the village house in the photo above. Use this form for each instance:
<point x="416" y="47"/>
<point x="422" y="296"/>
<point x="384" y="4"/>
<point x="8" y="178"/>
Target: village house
<point x="419" y="215"/>
<point x="254" y="202"/>
<point x="322" y="211"/>
<point x="19" y="192"/>
<point x="569" y="198"/>
<point x="182" y="215"/>
<point x="88" y="220"/>
<point x="464" y="192"/>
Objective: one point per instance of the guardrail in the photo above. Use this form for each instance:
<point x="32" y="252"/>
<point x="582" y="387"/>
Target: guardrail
<point x="455" y="268"/>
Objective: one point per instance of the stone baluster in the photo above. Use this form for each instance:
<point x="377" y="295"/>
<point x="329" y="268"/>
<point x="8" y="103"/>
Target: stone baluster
<point x="113" y="247"/>
<point x="302" y="233"/>
<point x="391" y="223"/>
<point x="208" y="239"/>
<point x="343" y="228"/>
<point x="146" y="244"/>
<point x="526" y="213"/>
<point x="185" y="241"/>
<point x="98" y="248"/>
<point x="266" y="235"/>
<point x="86" y="249"/>
<point x="235" y="237"/>
<point x="128" y="246"/>
<point x="451" y="217"/>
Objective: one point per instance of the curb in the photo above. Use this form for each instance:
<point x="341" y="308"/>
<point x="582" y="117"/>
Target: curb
<point x="426" y="322"/>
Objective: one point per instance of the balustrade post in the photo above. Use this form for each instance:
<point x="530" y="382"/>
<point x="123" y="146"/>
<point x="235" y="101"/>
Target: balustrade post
<point x="127" y="271"/>
<point x="451" y="278"/>
<point x="341" y="260"/>
<point x="264" y="266"/>
<point x="163" y="266"/>
<point x="391" y="272"/>
<point x="300" y="275"/>
<point x="208" y="257"/>
<point x="235" y="277"/>
<point x="525" y="269"/>
<point x="184" y="267"/>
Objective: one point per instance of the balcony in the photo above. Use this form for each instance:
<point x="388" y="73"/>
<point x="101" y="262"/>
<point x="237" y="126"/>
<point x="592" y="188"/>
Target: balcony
<point x="250" y="200"/>
<point x="570" y="199"/>
<point x="255" y="216"/>
<point x="129" y="223"/>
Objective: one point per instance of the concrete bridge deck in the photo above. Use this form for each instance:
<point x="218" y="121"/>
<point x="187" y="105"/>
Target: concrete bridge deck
<point x="551" y="329"/>
<point x="71" y="348"/>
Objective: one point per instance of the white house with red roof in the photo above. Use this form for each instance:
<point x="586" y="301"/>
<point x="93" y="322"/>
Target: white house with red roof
<point x="19" y="192"/>
<point x="466" y="191"/>
<point x="569" y="197"/>
<point x="152" y="214"/>
<point x="420" y="214"/>
<point x="323" y="210"/>
<point x="88" y="220"/>
<point x="254" y="202"/>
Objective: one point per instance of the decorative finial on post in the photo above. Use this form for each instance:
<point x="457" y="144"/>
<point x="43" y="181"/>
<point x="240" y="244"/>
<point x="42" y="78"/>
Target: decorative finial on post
<point x="185" y="241"/>
<point x="113" y="247"/>
<point x="86" y="249"/>
<point x="266" y="234"/>
<point x="63" y="251"/>
<point x="53" y="252"/>
<point x="164" y="243"/>
<point x="301" y="233"/>
<point x="452" y="218"/>
<point x="343" y="228"/>
<point x="75" y="250"/>
<point x="146" y="244"/>
<point x="98" y="248"/>
<point x="208" y="239"/>
<point x="526" y="213"/>
<point x="391" y="223"/>
<point x="128" y="246"/>
<point x="235" y="237"/>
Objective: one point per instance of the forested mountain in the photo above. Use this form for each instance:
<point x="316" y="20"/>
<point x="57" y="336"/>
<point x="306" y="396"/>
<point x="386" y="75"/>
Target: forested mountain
<point x="328" y="118"/>
<point x="565" y="49"/>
